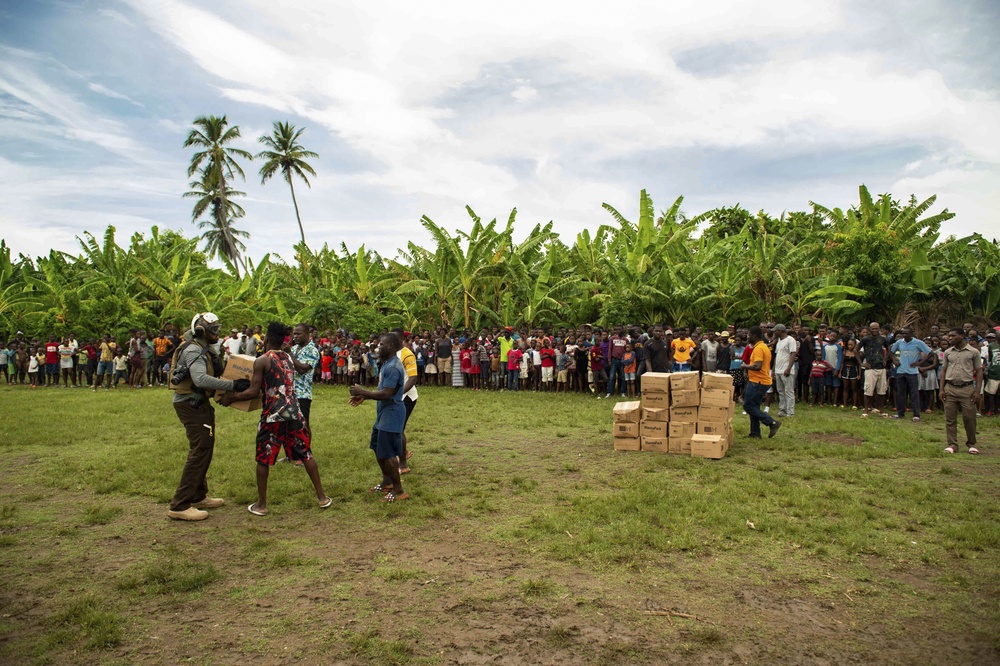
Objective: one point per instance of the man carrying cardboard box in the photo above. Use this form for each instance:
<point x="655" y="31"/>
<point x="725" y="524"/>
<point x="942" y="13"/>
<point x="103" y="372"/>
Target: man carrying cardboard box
<point x="281" y="424"/>
<point x="195" y="368"/>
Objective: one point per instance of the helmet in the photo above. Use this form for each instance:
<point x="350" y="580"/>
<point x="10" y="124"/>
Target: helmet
<point x="203" y="322"/>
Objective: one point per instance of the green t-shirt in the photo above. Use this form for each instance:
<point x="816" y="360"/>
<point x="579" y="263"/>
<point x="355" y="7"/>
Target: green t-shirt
<point x="505" y="346"/>
<point x="993" y="362"/>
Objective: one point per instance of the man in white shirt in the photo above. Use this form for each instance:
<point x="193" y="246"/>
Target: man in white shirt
<point x="233" y="343"/>
<point x="786" y="352"/>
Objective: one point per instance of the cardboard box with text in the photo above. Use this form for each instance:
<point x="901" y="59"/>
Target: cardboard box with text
<point x="716" y="413"/>
<point x="656" y="444"/>
<point x="240" y="366"/>
<point x="716" y="380"/>
<point x="655" y="399"/>
<point x="682" y="381"/>
<point x="656" y="382"/>
<point x="682" y="429"/>
<point x="708" y="446"/>
<point x="689" y="414"/>
<point x="654" y="429"/>
<point x="680" y="445"/>
<point x="685" y="398"/>
<point x="625" y="429"/>
<point x="716" y="397"/>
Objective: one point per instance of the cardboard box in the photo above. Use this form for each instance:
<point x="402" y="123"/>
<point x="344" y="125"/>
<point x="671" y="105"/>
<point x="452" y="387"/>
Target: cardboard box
<point x="716" y="397"/>
<point x="683" y="381"/>
<point x="655" y="399"/>
<point x="627" y="444"/>
<point x="625" y="429"/>
<point x="680" y="445"/>
<point x="656" y="382"/>
<point x="240" y="366"/>
<point x="714" y="427"/>
<point x="682" y="429"/>
<point x="716" y="380"/>
<point x="711" y="413"/>
<point x="628" y="412"/>
<point x="656" y="444"/>
<point x="689" y="414"/>
<point x="655" y="414"/>
<point x="708" y="446"/>
<point x="685" y="398"/>
<point x="654" y="429"/>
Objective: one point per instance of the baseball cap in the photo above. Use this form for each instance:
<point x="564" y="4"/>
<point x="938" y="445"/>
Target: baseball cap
<point x="779" y="327"/>
<point x="991" y="334"/>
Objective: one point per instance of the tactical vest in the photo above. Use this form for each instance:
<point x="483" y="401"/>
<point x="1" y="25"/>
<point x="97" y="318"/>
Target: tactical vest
<point x="186" y="386"/>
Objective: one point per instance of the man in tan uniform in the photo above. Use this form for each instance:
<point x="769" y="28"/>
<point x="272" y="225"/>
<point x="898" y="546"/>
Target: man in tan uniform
<point x="961" y="384"/>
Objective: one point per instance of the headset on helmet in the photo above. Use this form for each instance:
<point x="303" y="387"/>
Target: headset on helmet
<point x="203" y="322"/>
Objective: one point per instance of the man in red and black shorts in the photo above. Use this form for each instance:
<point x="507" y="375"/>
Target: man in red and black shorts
<point x="281" y="424"/>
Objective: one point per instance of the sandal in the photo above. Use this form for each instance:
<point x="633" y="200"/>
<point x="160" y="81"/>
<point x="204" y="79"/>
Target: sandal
<point x="255" y="511"/>
<point x="950" y="449"/>
<point x="405" y="470"/>
<point x="392" y="497"/>
<point x="380" y="488"/>
<point x="916" y="419"/>
<point x="325" y="504"/>
<point x="973" y="450"/>
<point x="409" y="454"/>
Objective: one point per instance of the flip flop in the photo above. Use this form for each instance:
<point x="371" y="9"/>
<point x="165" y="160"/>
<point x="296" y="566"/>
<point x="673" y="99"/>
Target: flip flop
<point x="255" y="511"/>
<point x="380" y="489"/>
<point x="391" y="497"/>
<point x="950" y="449"/>
<point x="325" y="504"/>
<point x="973" y="450"/>
<point x="405" y="470"/>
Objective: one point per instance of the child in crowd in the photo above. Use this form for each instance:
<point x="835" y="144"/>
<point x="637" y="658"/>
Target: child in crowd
<point x="326" y="363"/>
<point x="484" y="365"/>
<point x="850" y="376"/>
<point x="628" y="360"/>
<point x="562" y="369"/>
<point x="736" y="352"/>
<point x="121" y="367"/>
<point x="495" y="368"/>
<point x="354" y="363"/>
<point x="465" y="361"/>
<point x="597" y="368"/>
<point x="817" y="378"/>
<point x="548" y="363"/>
<point x="33" y="365"/>
<point x="341" y="367"/>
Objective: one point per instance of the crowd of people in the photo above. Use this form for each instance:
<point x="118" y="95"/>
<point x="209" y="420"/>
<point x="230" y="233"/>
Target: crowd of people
<point x="872" y="370"/>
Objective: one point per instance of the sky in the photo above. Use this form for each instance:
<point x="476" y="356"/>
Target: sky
<point x="550" y="107"/>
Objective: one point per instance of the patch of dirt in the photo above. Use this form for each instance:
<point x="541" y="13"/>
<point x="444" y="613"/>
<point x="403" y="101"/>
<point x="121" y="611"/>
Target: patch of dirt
<point x="836" y="438"/>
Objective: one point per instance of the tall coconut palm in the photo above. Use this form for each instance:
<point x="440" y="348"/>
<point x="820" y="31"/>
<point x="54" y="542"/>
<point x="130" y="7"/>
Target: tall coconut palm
<point x="214" y="158"/>
<point x="286" y="154"/>
<point x="221" y="238"/>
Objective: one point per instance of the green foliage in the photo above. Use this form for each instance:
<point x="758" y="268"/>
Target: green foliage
<point x="726" y="265"/>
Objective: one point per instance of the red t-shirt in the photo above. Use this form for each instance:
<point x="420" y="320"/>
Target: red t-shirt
<point x="327" y="362"/>
<point x="548" y="357"/>
<point x="746" y="353"/>
<point x="596" y="358"/>
<point x="514" y="359"/>
<point x="51" y="352"/>
<point x="465" y="360"/>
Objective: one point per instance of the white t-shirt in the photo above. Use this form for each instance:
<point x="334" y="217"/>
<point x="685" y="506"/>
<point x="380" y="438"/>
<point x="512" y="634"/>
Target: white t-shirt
<point x="711" y="351"/>
<point x="783" y="351"/>
<point x="233" y="344"/>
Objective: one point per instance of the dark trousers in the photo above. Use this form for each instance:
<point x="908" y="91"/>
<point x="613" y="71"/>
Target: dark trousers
<point x="906" y="383"/>
<point x="617" y="373"/>
<point x="513" y="377"/>
<point x="199" y="424"/>
<point x="959" y="399"/>
<point x="305" y="405"/>
<point x="753" y="395"/>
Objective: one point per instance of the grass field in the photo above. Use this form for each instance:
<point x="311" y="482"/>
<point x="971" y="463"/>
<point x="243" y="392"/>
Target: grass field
<point x="528" y="540"/>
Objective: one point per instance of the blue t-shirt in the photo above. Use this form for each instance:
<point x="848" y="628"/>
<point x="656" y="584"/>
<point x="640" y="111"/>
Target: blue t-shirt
<point x="390" y="415"/>
<point x="907" y="353"/>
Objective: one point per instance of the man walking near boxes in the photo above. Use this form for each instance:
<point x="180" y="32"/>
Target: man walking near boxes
<point x="786" y="353"/>
<point x="758" y="382"/>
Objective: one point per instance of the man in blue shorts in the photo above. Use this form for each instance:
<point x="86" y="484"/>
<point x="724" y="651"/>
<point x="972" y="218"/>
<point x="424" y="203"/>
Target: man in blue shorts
<point x="387" y="433"/>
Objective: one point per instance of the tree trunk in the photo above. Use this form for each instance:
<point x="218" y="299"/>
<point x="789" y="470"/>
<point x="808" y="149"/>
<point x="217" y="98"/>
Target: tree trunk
<point x="465" y="295"/>
<point x="296" y="204"/>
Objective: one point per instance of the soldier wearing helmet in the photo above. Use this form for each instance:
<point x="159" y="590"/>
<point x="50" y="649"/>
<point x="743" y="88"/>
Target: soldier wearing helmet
<point x="196" y="366"/>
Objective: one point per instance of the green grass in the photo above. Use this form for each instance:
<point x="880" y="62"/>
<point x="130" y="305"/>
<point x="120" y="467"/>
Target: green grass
<point x="520" y="508"/>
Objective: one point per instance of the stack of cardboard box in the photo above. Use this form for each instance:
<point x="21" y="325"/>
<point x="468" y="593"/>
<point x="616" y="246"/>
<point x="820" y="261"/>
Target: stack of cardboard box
<point x="678" y="414"/>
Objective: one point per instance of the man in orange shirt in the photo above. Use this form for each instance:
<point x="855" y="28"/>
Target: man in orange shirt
<point x="758" y="382"/>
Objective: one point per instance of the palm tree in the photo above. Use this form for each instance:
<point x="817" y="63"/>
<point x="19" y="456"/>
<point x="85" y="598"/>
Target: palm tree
<point x="221" y="238"/>
<point x="286" y="154"/>
<point x="211" y="134"/>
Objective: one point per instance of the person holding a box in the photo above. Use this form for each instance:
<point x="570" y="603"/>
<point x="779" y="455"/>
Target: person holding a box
<point x="281" y="425"/>
<point x="196" y="367"/>
<point x="759" y="381"/>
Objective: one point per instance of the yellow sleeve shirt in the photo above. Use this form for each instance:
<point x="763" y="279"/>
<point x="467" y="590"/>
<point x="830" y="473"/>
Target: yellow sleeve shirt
<point x="761" y="352"/>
